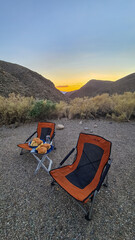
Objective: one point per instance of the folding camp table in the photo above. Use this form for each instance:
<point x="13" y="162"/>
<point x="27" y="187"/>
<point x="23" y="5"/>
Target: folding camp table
<point x="42" y="159"/>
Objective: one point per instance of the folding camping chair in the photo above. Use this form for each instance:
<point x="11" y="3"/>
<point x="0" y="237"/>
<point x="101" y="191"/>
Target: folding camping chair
<point x="83" y="179"/>
<point x="43" y="129"/>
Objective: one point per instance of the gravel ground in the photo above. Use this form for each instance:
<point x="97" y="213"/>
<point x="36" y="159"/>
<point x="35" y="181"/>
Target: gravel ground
<point x="32" y="209"/>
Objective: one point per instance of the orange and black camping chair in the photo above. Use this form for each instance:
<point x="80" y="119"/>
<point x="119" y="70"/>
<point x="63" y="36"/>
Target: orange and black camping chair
<point x="84" y="177"/>
<point x="43" y="129"/>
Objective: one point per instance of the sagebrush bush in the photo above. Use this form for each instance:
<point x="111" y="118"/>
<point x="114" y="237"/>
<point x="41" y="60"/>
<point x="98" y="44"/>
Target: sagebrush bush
<point x="76" y="108"/>
<point x="62" y="109"/>
<point x="37" y="109"/>
<point x="42" y="109"/>
<point x="116" y="107"/>
<point x="16" y="108"/>
<point x="104" y="104"/>
<point x="90" y="107"/>
<point x="124" y="106"/>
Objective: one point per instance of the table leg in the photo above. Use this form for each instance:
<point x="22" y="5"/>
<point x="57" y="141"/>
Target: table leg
<point x="40" y="164"/>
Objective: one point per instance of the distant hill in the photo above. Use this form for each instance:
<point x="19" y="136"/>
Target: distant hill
<point x="21" y="80"/>
<point x="95" y="87"/>
<point x="68" y="94"/>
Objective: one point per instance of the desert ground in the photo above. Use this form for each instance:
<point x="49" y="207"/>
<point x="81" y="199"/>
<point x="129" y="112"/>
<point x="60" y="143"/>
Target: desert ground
<point x="32" y="209"/>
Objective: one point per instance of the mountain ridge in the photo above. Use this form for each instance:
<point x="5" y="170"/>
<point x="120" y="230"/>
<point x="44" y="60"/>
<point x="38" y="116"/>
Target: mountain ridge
<point x="97" y="87"/>
<point x="21" y="80"/>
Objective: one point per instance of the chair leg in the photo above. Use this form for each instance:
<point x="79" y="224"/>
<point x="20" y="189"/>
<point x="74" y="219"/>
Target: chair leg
<point x="21" y="153"/>
<point x="54" y="144"/>
<point x="105" y="184"/>
<point x="53" y="182"/>
<point x="89" y="214"/>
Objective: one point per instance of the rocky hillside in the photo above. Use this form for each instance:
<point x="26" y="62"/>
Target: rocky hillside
<point x="95" y="87"/>
<point x="18" y="79"/>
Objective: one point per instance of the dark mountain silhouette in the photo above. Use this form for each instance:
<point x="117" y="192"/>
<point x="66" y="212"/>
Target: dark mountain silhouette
<point x="68" y="94"/>
<point x="97" y="87"/>
<point x="23" y="81"/>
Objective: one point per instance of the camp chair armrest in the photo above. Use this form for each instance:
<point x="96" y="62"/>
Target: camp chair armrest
<point x="30" y="136"/>
<point x="104" y="174"/>
<point x="67" y="156"/>
<point x="110" y="161"/>
<point x="53" y="136"/>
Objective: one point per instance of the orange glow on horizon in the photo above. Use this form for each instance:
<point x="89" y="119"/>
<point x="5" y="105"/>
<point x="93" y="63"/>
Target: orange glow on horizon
<point x="69" y="82"/>
<point x="69" y="88"/>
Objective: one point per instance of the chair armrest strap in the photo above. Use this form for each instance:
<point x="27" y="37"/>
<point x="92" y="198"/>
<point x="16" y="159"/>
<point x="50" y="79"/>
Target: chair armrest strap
<point x="53" y="135"/>
<point x="30" y="137"/>
<point x="67" y="156"/>
<point x="104" y="174"/>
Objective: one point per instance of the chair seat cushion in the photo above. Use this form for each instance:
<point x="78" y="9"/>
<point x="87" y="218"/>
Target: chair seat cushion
<point x="60" y="176"/>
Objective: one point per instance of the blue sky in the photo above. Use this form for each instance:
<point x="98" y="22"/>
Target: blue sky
<point x="69" y="41"/>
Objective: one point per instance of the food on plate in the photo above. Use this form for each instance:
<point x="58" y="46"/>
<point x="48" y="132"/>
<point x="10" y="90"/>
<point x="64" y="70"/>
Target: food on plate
<point x="42" y="150"/>
<point x="39" y="146"/>
<point x="33" y="144"/>
<point x="36" y="142"/>
<point x="47" y="145"/>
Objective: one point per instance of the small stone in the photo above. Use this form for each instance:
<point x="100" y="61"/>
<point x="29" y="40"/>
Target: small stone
<point x="80" y="122"/>
<point x="59" y="127"/>
<point x="95" y="126"/>
<point x="86" y="128"/>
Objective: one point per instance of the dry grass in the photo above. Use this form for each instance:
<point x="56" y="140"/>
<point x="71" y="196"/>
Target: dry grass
<point x="16" y="108"/>
<point x="116" y="107"/>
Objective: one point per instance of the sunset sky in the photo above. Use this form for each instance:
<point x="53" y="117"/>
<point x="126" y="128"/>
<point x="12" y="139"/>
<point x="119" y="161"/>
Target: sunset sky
<point x="69" y="41"/>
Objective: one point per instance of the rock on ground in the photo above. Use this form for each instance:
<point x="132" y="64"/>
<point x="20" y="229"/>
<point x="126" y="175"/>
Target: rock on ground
<point x="59" y="126"/>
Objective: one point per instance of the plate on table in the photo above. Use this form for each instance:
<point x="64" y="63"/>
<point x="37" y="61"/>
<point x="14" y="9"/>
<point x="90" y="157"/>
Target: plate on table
<point x="48" y="151"/>
<point x="29" y="144"/>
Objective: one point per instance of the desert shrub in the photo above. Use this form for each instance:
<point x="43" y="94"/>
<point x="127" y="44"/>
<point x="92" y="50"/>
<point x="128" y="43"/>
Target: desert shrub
<point x="37" y="109"/>
<point x="117" y="107"/>
<point x="82" y="108"/>
<point x="42" y="109"/>
<point x="104" y="104"/>
<point x="90" y="107"/>
<point x="76" y="108"/>
<point x="50" y="108"/>
<point x="15" y="108"/>
<point x="62" y="109"/>
<point x="124" y="106"/>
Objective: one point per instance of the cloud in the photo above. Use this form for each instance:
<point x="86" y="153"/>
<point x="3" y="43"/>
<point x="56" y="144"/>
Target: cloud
<point x="62" y="86"/>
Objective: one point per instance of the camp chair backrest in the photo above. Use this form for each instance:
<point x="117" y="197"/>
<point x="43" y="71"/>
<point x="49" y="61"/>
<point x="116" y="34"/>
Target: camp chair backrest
<point x="44" y="129"/>
<point x="92" y="155"/>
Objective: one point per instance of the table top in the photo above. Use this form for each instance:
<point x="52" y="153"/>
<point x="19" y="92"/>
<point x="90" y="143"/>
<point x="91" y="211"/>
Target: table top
<point x="33" y="150"/>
